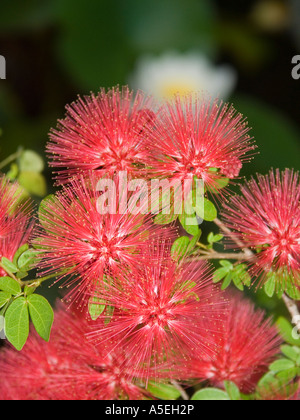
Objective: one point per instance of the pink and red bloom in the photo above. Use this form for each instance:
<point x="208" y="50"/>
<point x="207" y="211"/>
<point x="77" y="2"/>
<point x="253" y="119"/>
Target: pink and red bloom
<point x="163" y="311"/>
<point x="248" y="343"/>
<point x="193" y="138"/>
<point x="15" y="221"/>
<point x="266" y="218"/>
<point x="81" y="242"/>
<point x="104" y="133"/>
<point x="69" y="367"/>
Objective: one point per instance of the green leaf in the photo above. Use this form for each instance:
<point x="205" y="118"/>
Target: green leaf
<point x="180" y="247"/>
<point x="29" y="290"/>
<point x="222" y="183"/>
<point x="210" y="394"/>
<point x="220" y="274"/>
<point x="237" y="280"/>
<point x="226" y="264"/>
<point x="30" y="161"/>
<point x="227" y="281"/>
<point x="292" y="353"/>
<point x="270" y="286"/>
<point x="34" y="183"/>
<point x="13" y="172"/>
<point x="282" y="364"/>
<point x="163" y="391"/>
<point x="17" y="323"/>
<point x="96" y="308"/>
<point x="43" y="208"/>
<point x="218" y="238"/>
<point x="292" y="291"/>
<point x="41" y="314"/>
<point x="9" y="266"/>
<point x="109" y="312"/>
<point x="267" y="380"/>
<point x="7" y="284"/>
<point x="190" y="223"/>
<point x="4" y="298"/>
<point x="232" y="390"/>
<point x="288" y="374"/>
<point x="27" y="259"/>
<point x="208" y="212"/>
<point x="165" y="219"/>
<point x="21" y="275"/>
<point x="240" y="276"/>
<point x="19" y="252"/>
<point x="286" y="331"/>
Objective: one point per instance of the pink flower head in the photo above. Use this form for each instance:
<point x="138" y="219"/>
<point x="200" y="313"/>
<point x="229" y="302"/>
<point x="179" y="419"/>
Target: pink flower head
<point x="266" y="218"/>
<point x="69" y="367"/>
<point x="248" y="344"/>
<point x="83" y="243"/>
<point x="193" y="138"/>
<point x="104" y="133"/>
<point x="15" y="222"/>
<point x="162" y="311"/>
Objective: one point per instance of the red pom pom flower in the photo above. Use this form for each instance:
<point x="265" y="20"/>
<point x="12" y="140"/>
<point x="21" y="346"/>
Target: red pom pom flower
<point x="266" y="218"/>
<point x="103" y="133"/>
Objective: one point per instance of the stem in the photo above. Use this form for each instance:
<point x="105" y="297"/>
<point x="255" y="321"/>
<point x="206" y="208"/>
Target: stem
<point x="293" y="310"/>
<point x="248" y="253"/>
<point x="202" y="246"/>
<point x="11" y="158"/>
<point x="222" y="256"/>
<point x="12" y="275"/>
<point x="183" y="393"/>
<point x="39" y="280"/>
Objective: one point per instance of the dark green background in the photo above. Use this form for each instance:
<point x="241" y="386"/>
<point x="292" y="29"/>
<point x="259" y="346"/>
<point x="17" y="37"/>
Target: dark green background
<point x="56" y="49"/>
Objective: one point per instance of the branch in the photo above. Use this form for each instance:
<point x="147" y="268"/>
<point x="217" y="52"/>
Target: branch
<point x="293" y="310"/>
<point x="11" y="159"/>
<point x="248" y="253"/>
<point x="179" y="388"/>
<point x="221" y="256"/>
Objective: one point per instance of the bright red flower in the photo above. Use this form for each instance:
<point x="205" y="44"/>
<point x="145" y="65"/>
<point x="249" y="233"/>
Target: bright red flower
<point x="162" y="310"/>
<point x="104" y="133"/>
<point x="266" y="218"/>
<point x="193" y="138"/>
<point x="69" y="367"/>
<point x="86" y="246"/>
<point x="248" y="344"/>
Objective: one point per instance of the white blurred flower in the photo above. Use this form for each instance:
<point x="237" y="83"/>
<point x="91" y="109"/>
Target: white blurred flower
<point x="175" y="73"/>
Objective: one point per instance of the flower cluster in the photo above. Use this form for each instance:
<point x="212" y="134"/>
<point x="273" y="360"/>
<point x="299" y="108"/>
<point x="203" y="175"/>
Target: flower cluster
<point x="142" y="304"/>
<point x="69" y="367"/>
<point x="248" y="344"/>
